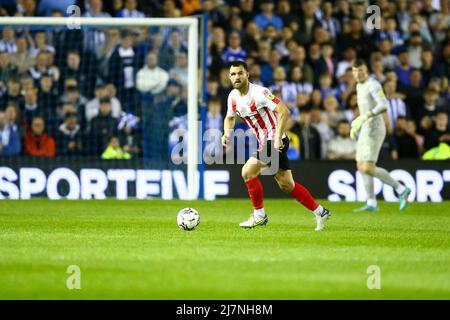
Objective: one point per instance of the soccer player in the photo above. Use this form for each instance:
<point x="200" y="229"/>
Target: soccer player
<point x="372" y="103"/>
<point x="267" y="116"/>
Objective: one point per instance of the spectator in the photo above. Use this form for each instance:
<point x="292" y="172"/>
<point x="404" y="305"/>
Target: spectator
<point x="114" y="151"/>
<point x="389" y="149"/>
<point x="267" y="16"/>
<point x="12" y="93"/>
<point x="377" y="66"/>
<point x="40" y="68"/>
<point x="122" y="70"/>
<point x="22" y="59"/>
<point x="396" y="106"/>
<point x="356" y="39"/>
<point x="40" y="44"/>
<point x="288" y="92"/>
<point x="217" y="18"/>
<point x="69" y="138"/>
<point x="79" y="101"/>
<point x="93" y="106"/>
<point x="390" y="32"/>
<point x="414" y="93"/>
<point x="325" y="86"/>
<point x="429" y="68"/>
<point x="404" y="68"/>
<point x="37" y="142"/>
<point x="342" y="147"/>
<point x="250" y="40"/>
<point x="415" y="48"/>
<point x="105" y="51"/>
<point x="171" y="49"/>
<point x="93" y="39"/>
<point x="332" y="113"/>
<point x="306" y="22"/>
<point x="151" y="78"/>
<point x="255" y="74"/>
<point x="28" y="8"/>
<point x="429" y="107"/>
<point x="73" y="69"/>
<point x="130" y="10"/>
<point x="326" y="134"/>
<point x="48" y="98"/>
<point x="189" y="7"/>
<point x="328" y="21"/>
<point x="129" y="130"/>
<point x="46" y="7"/>
<point x="316" y="61"/>
<point x="310" y="144"/>
<point x="389" y="59"/>
<point x="347" y="62"/>
<point x="9" y="137"/>
<point x="8" y="42"/>
<point x="234" y="50"/>
<point x="440" y="132"/>
<point x="31" y="108"/>
<point x="101" y="127"/>
<point x="180" y="71"/>
<point x="411" y="129"/>
<point x="285" y="13"/>
<point x="267" y="69"/>
<point x="214" y="127"/>
<point x="406" y="143"/>
<point x="440" y="21"/>
<point x="7" y="69"/>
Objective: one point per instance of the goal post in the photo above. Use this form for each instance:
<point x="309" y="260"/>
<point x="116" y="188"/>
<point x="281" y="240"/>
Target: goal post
<point x="192" y="23"/>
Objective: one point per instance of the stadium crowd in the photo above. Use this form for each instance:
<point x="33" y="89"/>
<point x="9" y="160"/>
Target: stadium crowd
<point x="119" y="93"/>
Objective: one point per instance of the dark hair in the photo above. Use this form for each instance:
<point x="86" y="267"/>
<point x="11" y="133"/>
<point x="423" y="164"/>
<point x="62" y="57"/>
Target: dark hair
<point x="359" y="63"/>
<point x="214" y="100"/>
<point x="70" y="115"/>
<point x="238" y="63"/>
<point x="343" y="121"/>
<point x="105" y="100"/>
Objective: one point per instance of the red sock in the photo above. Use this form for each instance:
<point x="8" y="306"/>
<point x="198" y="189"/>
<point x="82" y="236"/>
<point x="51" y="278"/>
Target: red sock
<point x="302" y="195"/>
<point x="255" y="190"/>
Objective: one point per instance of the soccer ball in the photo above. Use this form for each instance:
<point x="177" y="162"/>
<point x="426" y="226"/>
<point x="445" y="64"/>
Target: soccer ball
<point x="188" y="219"/>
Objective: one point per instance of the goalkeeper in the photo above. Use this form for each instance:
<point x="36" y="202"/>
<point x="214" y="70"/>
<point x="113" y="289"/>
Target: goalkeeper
<point x="372" y="131"/>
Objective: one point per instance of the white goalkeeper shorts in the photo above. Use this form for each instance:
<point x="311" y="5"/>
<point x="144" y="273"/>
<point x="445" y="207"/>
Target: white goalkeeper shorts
<point x="369" y="144"/>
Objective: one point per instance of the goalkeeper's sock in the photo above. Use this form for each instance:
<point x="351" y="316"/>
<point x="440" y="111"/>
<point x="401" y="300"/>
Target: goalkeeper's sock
<point x="368" y="186"/>
<point x="384" y="176"/>
<point x="255" y="191"/>
<point x="302" y="195"/>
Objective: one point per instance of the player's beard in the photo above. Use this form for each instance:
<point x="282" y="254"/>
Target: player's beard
<point x="241" y="84"/>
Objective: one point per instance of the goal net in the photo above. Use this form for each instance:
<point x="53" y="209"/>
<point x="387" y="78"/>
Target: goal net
<point x="118" y="97"/>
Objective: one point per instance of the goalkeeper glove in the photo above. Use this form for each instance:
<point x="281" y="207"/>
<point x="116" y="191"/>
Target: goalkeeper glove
<point x="358" y="123"/>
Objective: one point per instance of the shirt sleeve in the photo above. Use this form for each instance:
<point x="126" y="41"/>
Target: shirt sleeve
<point x="376" y="91"/>
<point x="267" y="99"/>
<point x="231" y="106"/>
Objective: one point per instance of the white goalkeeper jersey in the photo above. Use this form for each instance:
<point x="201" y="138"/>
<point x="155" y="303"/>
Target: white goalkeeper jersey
<point x="256" y="109"/>
<point x="370" y="95"/>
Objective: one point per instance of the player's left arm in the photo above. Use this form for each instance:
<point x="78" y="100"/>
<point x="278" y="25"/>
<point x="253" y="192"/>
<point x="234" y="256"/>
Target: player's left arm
<point x="377" y="94"/>
<point x="283" y="116"/>
<point x="381" y="103"/>
<point x="276" y="105"/>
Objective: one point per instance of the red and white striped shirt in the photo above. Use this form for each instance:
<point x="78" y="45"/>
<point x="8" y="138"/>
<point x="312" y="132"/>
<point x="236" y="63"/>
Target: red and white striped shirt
<point x="256" y="109"/>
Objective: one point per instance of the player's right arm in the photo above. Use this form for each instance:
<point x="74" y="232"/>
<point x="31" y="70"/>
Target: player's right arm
<point x="228" y="126"/>
<point x="229" y="121"/>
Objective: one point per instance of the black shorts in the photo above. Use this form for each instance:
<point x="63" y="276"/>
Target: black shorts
<point x="264" y="156"/>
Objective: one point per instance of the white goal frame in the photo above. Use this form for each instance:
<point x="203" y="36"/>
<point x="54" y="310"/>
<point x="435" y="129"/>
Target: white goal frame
<point x="193" y="46"/>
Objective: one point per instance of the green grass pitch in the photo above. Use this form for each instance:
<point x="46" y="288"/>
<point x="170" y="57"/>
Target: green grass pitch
<point x="134" y="250"/>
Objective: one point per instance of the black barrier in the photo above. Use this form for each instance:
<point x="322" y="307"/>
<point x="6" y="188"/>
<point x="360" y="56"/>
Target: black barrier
<point x="339" y="180"/>
<point x="89" y="179"/>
